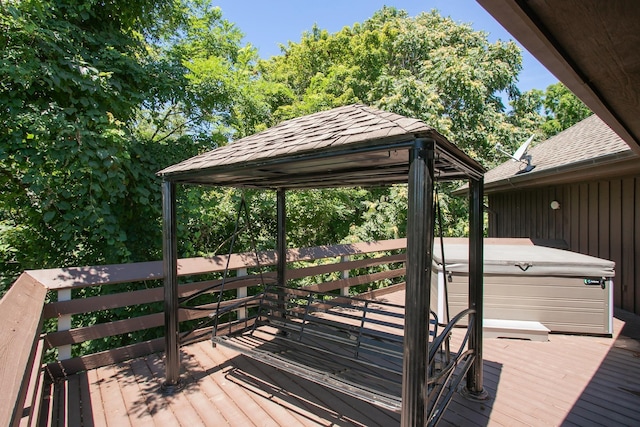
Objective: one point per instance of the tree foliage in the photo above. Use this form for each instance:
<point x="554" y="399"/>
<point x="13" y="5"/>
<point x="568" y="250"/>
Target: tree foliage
<point x="428" y="67"/>
<point x="95" y="97"/>
<point x="70" y="81"/>
<point x="553" y="110"/>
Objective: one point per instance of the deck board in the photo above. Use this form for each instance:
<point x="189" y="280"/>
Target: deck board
<point x="570" y="380"/>
<point x="112" y="400"/>
<point x="214" y="386"/>
<point x="257" y="380"/>
<point x="94" y="408"/>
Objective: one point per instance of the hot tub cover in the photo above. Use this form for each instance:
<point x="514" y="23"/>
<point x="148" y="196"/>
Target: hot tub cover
<point x="525" y="260"/>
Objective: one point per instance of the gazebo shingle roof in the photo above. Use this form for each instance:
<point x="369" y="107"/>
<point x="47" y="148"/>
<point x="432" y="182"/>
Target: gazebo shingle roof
<point x="338" y="142"/>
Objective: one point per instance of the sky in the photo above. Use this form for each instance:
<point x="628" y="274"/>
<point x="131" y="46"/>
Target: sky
<point x="269" y="23"/>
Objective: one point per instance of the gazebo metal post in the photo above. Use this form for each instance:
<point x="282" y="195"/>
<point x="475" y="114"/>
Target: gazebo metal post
<point x="281" y="238"/>
<point x="475" y="375"/>
<point x="420" y="224"/>
<point x="170" y="271"/>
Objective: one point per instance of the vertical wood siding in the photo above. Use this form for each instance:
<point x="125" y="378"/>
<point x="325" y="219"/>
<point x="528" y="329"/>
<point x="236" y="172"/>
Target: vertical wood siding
<point x="600" y="218"/>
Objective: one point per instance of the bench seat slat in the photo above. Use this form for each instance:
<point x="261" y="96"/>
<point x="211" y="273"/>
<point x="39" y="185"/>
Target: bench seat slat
<point x="352" y="345"/>
<point x="320" y="341"/>
<point x="304" y="369"/>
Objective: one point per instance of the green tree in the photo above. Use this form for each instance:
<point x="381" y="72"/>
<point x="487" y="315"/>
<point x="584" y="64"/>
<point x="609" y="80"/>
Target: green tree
<point x="548" y="112"/>
<point x="95" y="97"/>
<point x="428" y="67"/>
<point x="562" y="109"/>
<point x="70" y="80"/>
<point x="217" y="95"/>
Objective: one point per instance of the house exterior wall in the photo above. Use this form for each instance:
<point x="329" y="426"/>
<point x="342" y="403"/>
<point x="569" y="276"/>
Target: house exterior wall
<point x="598" y="218"/>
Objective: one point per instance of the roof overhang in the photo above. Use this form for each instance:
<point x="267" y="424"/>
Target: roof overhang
<point x="605" y="167"/>
<point x="373" y="165"/>
<point x="589" y="45"/>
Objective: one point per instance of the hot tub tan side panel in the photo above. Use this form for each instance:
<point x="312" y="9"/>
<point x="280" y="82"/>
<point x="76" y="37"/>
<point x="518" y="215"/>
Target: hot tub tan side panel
<point x="562" y="304"/>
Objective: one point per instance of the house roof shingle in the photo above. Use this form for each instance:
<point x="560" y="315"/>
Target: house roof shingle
<point x="590" y="141"/>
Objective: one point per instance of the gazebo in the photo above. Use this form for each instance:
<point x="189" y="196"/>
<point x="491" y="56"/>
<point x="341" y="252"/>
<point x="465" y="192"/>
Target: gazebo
<point x="355" y="146"/>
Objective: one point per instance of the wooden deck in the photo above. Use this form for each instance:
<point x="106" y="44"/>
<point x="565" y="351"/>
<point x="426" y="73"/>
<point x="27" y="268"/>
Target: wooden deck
<point x="570" y="380"/>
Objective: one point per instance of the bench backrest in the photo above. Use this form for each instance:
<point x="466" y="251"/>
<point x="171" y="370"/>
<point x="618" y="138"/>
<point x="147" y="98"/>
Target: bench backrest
<point x="358" y="326"/>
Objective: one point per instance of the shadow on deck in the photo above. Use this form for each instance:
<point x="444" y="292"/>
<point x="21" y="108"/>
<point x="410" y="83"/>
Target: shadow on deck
<point x="612" y="396"/>
<point x="570" y="380"/>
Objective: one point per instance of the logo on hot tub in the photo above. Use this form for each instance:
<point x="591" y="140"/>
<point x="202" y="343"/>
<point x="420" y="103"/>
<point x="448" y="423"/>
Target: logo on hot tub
<point x="596" y="281"/>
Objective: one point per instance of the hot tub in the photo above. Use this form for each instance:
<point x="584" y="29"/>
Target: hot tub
<point x="565" y="291"/>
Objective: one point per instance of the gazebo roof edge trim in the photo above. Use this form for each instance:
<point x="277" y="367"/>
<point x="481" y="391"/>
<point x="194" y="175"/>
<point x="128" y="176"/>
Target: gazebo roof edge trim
<point x="324" y="135"/>
<point x="366" y="146"/>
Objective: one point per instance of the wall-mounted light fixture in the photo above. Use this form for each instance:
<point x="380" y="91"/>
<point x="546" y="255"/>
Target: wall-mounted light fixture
<point x="555" y="205"/>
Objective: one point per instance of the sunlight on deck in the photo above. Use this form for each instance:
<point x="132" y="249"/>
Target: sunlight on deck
<point x="570" y="380"/>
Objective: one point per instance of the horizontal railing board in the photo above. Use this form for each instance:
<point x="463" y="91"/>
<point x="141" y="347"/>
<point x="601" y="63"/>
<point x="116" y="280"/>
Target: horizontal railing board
<point x="84" y="363"/>
<point x="144" y="296"/>
<point x="132" y="324"/>
<point x="299" y="273"/>
<point x="376" y="293"/>
<point x="102" y="330"/>
<point x="78" y="277"/>
<point x="21" y="322"/>
<point x="103" y="302"/>
<point x="78" y="364"/>
<point x="356" y="280"/>
<point x="321" y="252"/>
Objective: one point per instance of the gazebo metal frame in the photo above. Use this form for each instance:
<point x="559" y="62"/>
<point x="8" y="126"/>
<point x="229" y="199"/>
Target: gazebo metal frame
<point x="353" y="145"/>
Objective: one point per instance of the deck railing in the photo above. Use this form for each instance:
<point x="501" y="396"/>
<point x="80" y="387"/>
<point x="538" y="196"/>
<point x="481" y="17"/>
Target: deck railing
<point x="24" y="308"/>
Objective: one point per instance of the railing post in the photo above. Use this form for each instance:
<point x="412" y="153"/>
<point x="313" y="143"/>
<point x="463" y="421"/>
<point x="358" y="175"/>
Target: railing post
<point x="345" y="275"/>
<point x="420" y="223"/>
<point x="474" y="387"/>
<point x="241" y="293"/>
<point x="64" y="324"/>
<point x="170" y="270"/>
